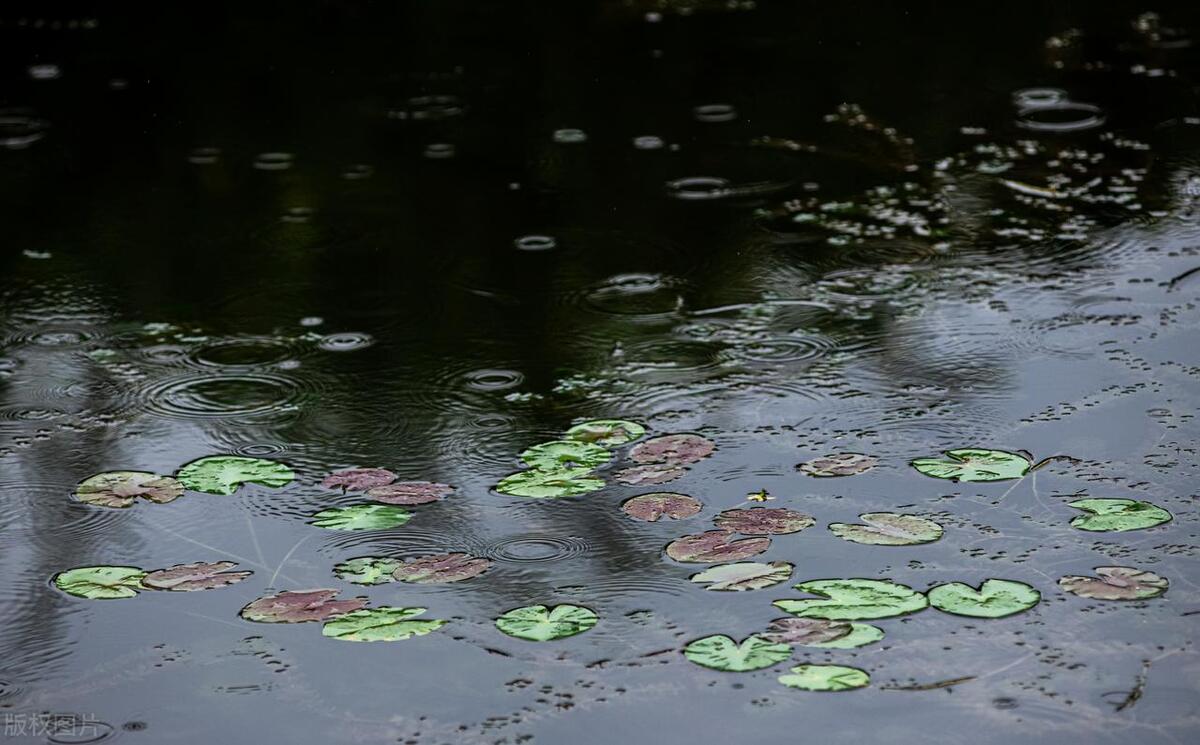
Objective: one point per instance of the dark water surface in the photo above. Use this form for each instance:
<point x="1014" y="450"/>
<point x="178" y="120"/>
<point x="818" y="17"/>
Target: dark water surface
<point x="426" y="236"/>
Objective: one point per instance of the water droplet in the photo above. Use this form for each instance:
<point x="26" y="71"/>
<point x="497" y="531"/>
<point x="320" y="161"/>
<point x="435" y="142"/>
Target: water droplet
<point x="494" y="380"/>
<point x="19" y="130"/>
<point x="439" y="150"/>
<point x="309" y="321"/>
<point x="358" y="172"/>
<point x="204" y="156"/>
<point x="296" y="215"/>
<point x="699" y="187"/>
<point x="570" y="136"/>
<point x="274" y="161"/>
<point x="1067" y="116"/>
<point x="715" y="112"/>
<point x="535" y="243"/>
<point x="429" y="108"/>
<point x="1030" y="97"/>
<point x="348" y="341"/>
<point x="45" y="72"/>
<point x="648" y="142"/>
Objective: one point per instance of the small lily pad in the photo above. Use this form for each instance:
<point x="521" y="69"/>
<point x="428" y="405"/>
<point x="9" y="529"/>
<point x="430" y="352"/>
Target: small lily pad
<point x="995" y="598"/>
<point x="358" y="479"/>
<point x="361" y="517"/>
<point x="200" y="575"/>
<point x="972" y="464"/>
<point x="122" y="488"/>
<point x="441" y="568"/>
<point x="888" y="529"/>
<point x="100" y="582"/>
<point x="715" y="546"/>
<point x="564" y="454"/>
<point x="649" y="475"/>
<point x="300" y="606"/>
<point x="854" y="600"/>
<point x="825" y="678"/>
<point x="744" y="575"/>
<point x="806" y="631"/>
<point x="651" y="507"/>
<point x="1117" y="515"/>
<point x="720" y="652"/>
<point x="539" y="484"/>
<point x="538" y="623"/>
<point x="1116" y="583"/>
<point x="607" y="433"/>
<point x="410" y="492"/>
<point x="838" y="464"/>
<point x="367" y="570"/>
<point x="763" y="521"/>
<point x="384" y="624"/>
<point x="676" y="450"/>
<point x="223" y="474"/>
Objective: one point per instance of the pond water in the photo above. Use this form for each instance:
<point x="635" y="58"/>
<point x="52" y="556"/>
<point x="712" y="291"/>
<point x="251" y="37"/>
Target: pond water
<point x="425" y="238"/>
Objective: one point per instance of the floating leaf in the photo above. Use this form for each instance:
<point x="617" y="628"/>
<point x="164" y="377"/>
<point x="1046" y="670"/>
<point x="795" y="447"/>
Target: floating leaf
<point x="200" y="575"/>
<point x="384" y="624"/>
<point x="745" y="575"/>
<point x="715" y="546"/>
<point x="541" y="624"/>
<point x="410" y="492"/>
<point x="854" y="600"/>
<point x="122" y="488"/>
<point x="1116" y="583"/>
<point x="825" y="678"/>
<point x="970" y="464"/>
<point x="361" y="517"/>
<point x="719" y="652"/>
<point x="223" y="474"/>
<point x="995" y="598"/>
<point x="441" y="568"/>
<point x="649" y="475"/>
<point x="606" y="432"/>
<point x="300" y="606"/>
<point x="550" y="484"/>
<point x="888" y="529"/>
<point x="676" y="450"/>
<point x="861" y="634"/>
<point x="367" y="570"/>
<point x="564" y="454"/>
<point x="839" y="464"/>
<point x="1117" y="515"/>
<point x="651" y="507"/>
<point x="805" y="631"/>
<point x="100" y="582"/>
<point x="763" y="521"/>
<point x="358" y="479"/>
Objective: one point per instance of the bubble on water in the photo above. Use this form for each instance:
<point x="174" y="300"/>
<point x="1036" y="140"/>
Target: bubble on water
<point x="346" y="341"/>
<point x="204" y="156"/>
<point x="19" y="128"/>
<point x="297" y="215"/>
<point x="569" y="136"/>
<point x="695" y="188"/>
<point x="1066" y="116"/>
<point x="494" y="380"/>
<point x="309" y="321"/>
<point x="535" y="243"/>
<point x="274" y="161"/>
<point x="358" y="172"/>
<point x="45" y="72"/>
<point x="635" y="293"/>
<point x="648" y="142"/>
<point x="439" y="150"/>
<point x="715" y="112"/>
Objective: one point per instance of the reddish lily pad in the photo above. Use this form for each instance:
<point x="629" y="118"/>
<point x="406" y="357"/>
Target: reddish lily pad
<point x="1116" y="583"/>
<point x="358" y="479"/>
<point x="676" y="450"/>
<point x="441" y="568"/>
<point x="806" y="631"/>
<point x="763" y="521"/>
<point x="838" y="464"/>
<point x="410" y="492"/>
<point x="300" y="606"/>
<point x="122" y="488"/>
<point x="715" y="546"/>
<point x="649" y="475"/>
<point x="200" y="575"/>
<point x="651" y="507"/>
<point x="744" y="575"/>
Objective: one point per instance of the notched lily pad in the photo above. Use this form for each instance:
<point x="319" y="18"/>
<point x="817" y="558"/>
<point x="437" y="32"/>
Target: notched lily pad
<point x="607" y="433"/>
<point x="720" y="652"/>
<point x="1116" y="583"/>
<point x="715" y="546"/>
<point x="100" y="582"/>
<point x="410" y="492"/>
<point x="383" y="624"/>
<point x="538" y="623"/>
<point x="199" y="575"/>
<point x="361" y="517"/>
<point x="539" y="484"/>
<point x="822" y="633"/>
<point x="1117" y="515"/>
<point x="652" y="507"/>
<point x="676" y="450"/>
<point x="888" y="529"/>
<point x="649" y="475"/>
<point x="854" y="600"/>
<point x="223" y="474"/>
<point x="367" y="570"/>
<point x="995" y="598"/>
<point x="300" y="606"/>
<point x="763" y="521"/>
<point x="441" y="568"/>
<point x="565" y="454"/>
<point x="838" y="464"/>
<point x="123" y="488"/>
<point x="358" y="479"/>
<point x="745" y="575"/>
<point x="974" y="464"/>
<point x="825" y="678"/>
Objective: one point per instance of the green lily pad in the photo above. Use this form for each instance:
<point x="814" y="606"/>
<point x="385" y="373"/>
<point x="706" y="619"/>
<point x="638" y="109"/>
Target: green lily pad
<point x="367" y="570"/>
<point x="719" y="652"/>
<point x="854" y="600"/>
<point x="744" y="575"/>
<point x="100" y="582"/>
<point x="972" y="464"/>
<point x="362" y="517"/>
<point x="384" y="624"/>
<point x="825" y="678"/>
<point x="122" y="488"/>
<point x="565" y="454"/>
<point x="1117" y="515"/>
<point x="607" y="433"/>
<point x="888" y="529"/>
<point x="223" y="474"/>
<point x="995" y="598"/>
<point x="538" y="623"/>
<point x="538" y="484"/>
<point x="1116" y="583"/>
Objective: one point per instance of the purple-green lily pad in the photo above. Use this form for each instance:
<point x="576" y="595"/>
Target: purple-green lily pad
<point x="300" y="606"/>
<point x="888" y="529"/>
<point x="367" y="570"/>
<point x="199" y="575"/>
<point x="715" y="546"/>
<point x="649" y="475"/>
<point x="838" y="464"/>
<point x="100" y="582"/>
<point x="123" y="488"/>
<point x="358" y="479"/>
<point x="805" y="631"/>
<point x="1116" y="583"/>
<point x="677" y="450"/>
<point x="607" y="433"/>
<point x="441" y="568"/>
<point x="651" y="507"/>
<point x="383" y="624"/>
<point x="763" y="521"/>
<point x="744" y="575"/>
<point x="410" y="492"/>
